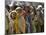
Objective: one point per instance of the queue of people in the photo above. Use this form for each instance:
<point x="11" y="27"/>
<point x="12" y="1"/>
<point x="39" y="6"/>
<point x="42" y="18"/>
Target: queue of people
<point x="24" y="19"/>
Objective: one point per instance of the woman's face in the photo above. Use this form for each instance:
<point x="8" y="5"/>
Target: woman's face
<point x="13" y="15"/>
<point x="38" y="13"/>
<point x="19" y="12"/>
<point x="26" y="9"/>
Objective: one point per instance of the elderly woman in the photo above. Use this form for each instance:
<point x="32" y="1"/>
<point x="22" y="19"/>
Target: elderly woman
<point x="28" y="19"/>
<point x="32" y="13"/>
<point x="20" y="21"/>
<point x="12" y="17"/>
<point x="40" y="15"/>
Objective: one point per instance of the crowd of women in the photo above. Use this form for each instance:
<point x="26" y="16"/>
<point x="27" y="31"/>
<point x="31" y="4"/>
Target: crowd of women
<point x="24" y="18"/>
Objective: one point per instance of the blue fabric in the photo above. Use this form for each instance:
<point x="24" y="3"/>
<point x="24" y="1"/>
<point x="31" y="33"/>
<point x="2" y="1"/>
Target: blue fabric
<point x="28" y="22"/>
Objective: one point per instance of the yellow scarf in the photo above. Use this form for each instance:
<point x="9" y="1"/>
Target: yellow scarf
<point x="16" y="24"/>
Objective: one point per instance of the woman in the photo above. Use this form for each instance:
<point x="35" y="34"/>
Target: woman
<point x="20" y="21"/>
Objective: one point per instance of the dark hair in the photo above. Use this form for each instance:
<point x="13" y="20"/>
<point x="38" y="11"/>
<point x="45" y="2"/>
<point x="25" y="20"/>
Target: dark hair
<point x="34" y="10"/>
<point x="14" y="7"/>
<point x="7" y="7"/>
